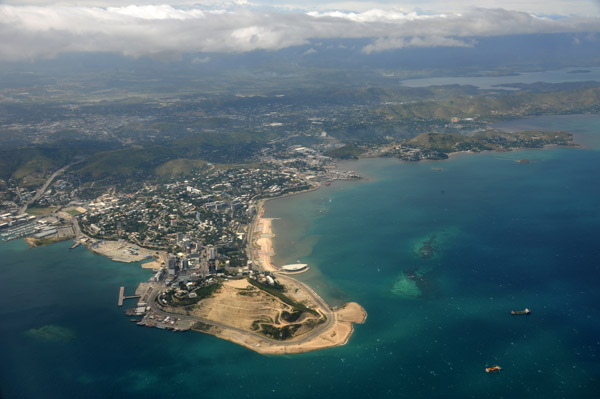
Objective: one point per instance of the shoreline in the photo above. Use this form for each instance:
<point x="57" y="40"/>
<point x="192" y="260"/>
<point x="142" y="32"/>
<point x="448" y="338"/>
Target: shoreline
<point x="337" y="335"/>
<point x="120" y="251"/>
<point x="340" y="328"/>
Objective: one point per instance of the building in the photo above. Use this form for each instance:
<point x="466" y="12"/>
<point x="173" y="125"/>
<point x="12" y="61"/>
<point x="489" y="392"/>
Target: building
<point x="211" y="252"/>
<point x="171" y="265"/>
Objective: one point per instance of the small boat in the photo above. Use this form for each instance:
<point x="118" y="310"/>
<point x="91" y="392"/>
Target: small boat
<point x="493" y="369"/>
<point x="328" y="183"/>
<point x="520" y="312"/>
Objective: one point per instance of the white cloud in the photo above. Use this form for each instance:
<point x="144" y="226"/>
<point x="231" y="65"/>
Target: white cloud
<point x="547" y="7"/>
<point x="387" y="43"/>
<point x="31" y="32"/>
<point x="201" y="60"/>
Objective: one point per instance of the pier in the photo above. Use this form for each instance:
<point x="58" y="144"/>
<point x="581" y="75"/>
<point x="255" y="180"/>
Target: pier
<point x="122" y="296"/>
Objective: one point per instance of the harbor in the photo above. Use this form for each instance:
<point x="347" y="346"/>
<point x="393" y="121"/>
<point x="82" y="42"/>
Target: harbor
<point x="122" y="296"/>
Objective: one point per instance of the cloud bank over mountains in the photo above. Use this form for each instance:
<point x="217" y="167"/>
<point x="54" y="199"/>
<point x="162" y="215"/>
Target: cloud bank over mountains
<point x="44" y="31"/>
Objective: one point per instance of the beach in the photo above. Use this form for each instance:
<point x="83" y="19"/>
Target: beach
<point x="336" y="334"/>
<point x="339" y="322"/>
<point x="264" y="252"/>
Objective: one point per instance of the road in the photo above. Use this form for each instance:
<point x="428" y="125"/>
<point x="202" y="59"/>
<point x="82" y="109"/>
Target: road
<point x="330" y="318"/>
<point x="323" y="306"/>
<point x="42" y="189"/>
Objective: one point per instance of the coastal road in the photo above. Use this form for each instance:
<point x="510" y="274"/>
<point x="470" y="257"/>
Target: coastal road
<point x="330" y="318"/>
<point x="153" y="305"/>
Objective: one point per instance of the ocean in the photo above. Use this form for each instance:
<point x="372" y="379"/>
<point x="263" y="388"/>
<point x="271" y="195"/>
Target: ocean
<point x="438" y="254"/>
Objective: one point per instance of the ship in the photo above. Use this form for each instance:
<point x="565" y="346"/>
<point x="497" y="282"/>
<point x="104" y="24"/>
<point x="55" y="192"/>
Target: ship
<point x="493" y="369"/>
<point x="520" y="312"/>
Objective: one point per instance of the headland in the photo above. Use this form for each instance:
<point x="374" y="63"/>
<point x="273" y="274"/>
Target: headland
<point x="264" y="309"/>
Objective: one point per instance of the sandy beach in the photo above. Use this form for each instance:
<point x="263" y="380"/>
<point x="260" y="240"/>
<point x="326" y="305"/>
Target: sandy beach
<point x="340" y="321"/>
<point x="264" y="232"/>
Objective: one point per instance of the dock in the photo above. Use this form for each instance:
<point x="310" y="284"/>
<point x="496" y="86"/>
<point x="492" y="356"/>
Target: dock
<point x="122" y="296"/>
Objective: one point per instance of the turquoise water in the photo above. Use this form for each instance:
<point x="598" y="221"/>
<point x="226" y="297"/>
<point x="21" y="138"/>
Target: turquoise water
<point x="503" y="236"/>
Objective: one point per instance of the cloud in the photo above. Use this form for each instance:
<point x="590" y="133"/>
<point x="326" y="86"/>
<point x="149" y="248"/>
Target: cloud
<point x="33" y="32"/>
<point x="386" y="43"/>
<point x="201" y="60"/>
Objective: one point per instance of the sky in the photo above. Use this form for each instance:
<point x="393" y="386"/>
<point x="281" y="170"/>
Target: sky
<point x="39" y="29"/>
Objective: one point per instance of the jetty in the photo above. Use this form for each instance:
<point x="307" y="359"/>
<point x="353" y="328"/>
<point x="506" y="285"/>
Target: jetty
<point x="122" y="296"/>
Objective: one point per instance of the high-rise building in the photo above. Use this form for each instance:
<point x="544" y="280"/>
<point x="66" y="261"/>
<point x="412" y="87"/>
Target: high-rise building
<point x="171" y="264"/>
<point x="211" y="252"/>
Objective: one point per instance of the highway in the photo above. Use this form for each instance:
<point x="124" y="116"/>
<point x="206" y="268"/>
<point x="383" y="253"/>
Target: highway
<point x="42" y="189"/>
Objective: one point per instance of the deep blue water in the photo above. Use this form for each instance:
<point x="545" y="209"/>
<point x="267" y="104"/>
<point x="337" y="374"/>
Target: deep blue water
<point x="506" y="236"/>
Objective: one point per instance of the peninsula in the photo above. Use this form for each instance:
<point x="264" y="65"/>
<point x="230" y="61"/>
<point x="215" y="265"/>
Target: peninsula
<point x="263" y="309"/>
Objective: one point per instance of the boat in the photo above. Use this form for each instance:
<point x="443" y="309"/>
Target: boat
<point x="493" y="369"/>
<point x="328" y="183"/>
<point x="520" y="312"/>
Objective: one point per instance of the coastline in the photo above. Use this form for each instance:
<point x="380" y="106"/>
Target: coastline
<point x="337" y="335"/>
<point x="120" y="251"/>
<point x="341" y="328"/>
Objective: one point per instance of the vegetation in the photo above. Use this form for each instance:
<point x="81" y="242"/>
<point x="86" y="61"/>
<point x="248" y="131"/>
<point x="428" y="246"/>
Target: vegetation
<point x="200" y="326"/>
<point x="488" y="140"/>
<point x="202" y="293"/>
<point x="177" y="156"/>
<point x="349" y="151"/>
<point x="276" y="292"/>
<point x="40" y="242"/>
<point x="179" y="166"/>
<point x="32" y="165"/>
<point x="291" y="317"/>
<point x="279" y="333"/>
